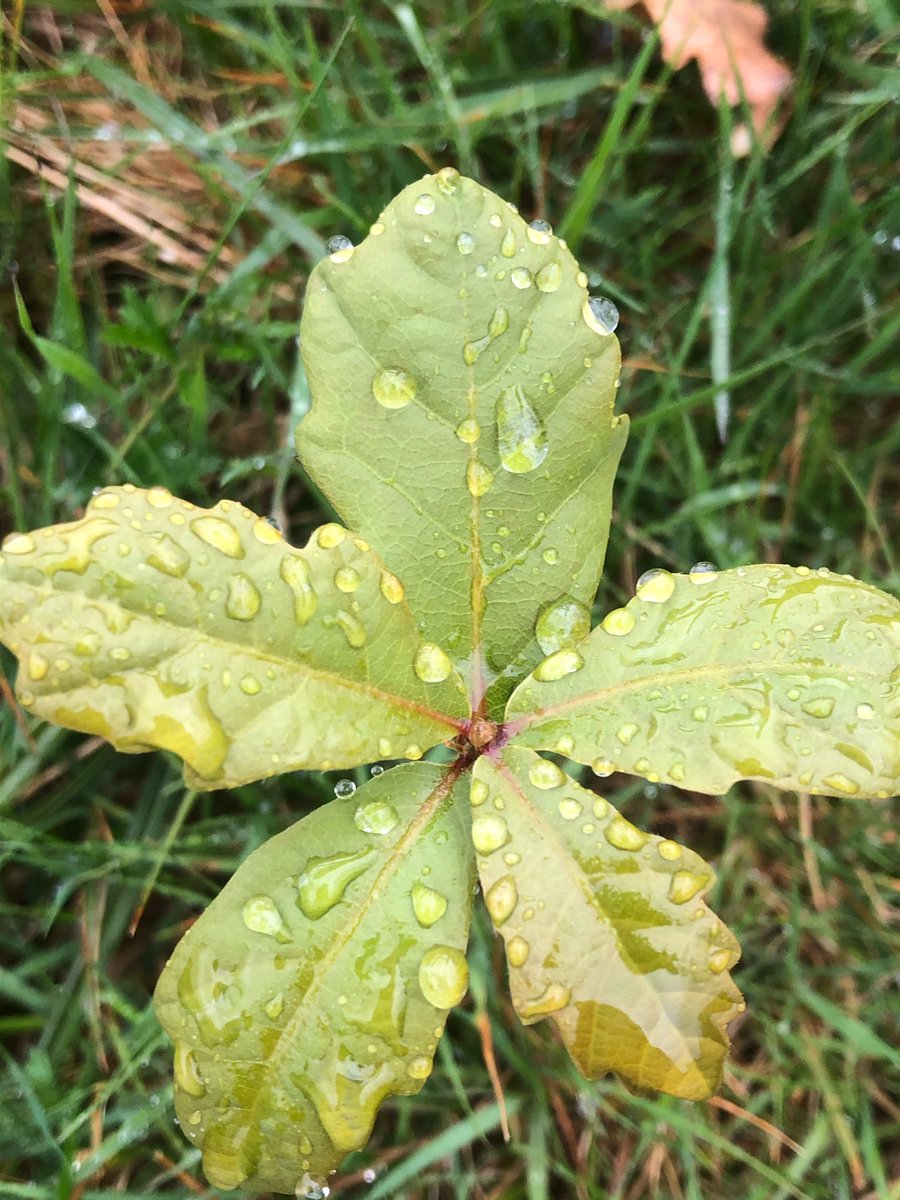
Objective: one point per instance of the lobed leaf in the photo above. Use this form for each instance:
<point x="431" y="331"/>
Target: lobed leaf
<point x="774" y="673"/>
<point x="605" y="928"/>
<point x="317" y="983"/>
<point x="158" y="624"/>
<point x="462" y="417"/>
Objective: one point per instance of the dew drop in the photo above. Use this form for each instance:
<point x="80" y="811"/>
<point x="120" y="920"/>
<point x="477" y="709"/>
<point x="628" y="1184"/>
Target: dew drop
<point x="443" y="976"/>
<point x="841" y="783"/>
<point x="602" y="767"/>
<point x="243" y="599"/>
<point x="344" y="788"/>
<point x="700" y="713"/>
<point x="600" y="314"/>
<point x="550" y="556"/>
<point x="219" y="534"/>
<point x="655" y="585"/>
<point x="273" y="1008"/>
<point x="339" y="248"/>
<point x="424" y="205"/>
<point x="865" y="712"/>
<point x="324" y="881"/>
<point x="376" y="816"/>
<point x="520" y="277"/>
<point x="703" y="572"/>
<point x="521" y="438"/>
<point x="250" y="685"/>
<point x="168" y="557"/>
<point x="565" y="745"/>
<point x="556" y="666"/>
<point x="394" y="388"/>
<point x="569" y="809"/>
<point x="294" y="570"/>
<point x="618" y="622"/>
<point x="468" y="430"/>
<point x="187" y="1072"/>
<point x="554" y="997"/>
<point x="419" y="1068"/>
<point x="428" y="905"/>
<point x="330" y="535"/>
<point x="545" y="774"/>
<point x="478" y="793"/>
<point x="820" y="706"/>
<point x="495" y="220"/>
<point x="377" y="229"/>
<point x="561" y="624"/>
<point x="720" y="960"/>
<point x="623" y="835"/>
<point x="479" y="478"/>
<point x="626" y="732"/>
<point x="549" y="277"/>
<point x="685" y="885"/>
<point x="508" y="245"/>
<point x="517" y="951"/>
<point x="501" y="899"/>
<point x="264" y="531"/>
<point x="489" y="833"/>
<point x="104" y="500"/>
<point x="465" y="243"/>
<point x="260" y="914"/>
<point x="539" y="232"/>
<point x="391" y="588"/>
<point x="347" y="579"/>
<point x="38" y="666"/>
<point x="670" y="851"/>
<point x="431" y="663"/>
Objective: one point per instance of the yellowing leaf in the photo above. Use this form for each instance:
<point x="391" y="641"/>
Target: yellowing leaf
<point x="462" y="417"/>
<point x="726" y="39"/>
<point x="158" y="624"/>
<point x="774" y="673"/>
<point x="605" y="928"/>
<point x="317" y="982"/>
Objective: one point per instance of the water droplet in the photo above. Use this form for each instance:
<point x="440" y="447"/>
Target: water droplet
<point x="264" y="531"/>
<point x="273" y="1008"/>
<point x="865" y="712"/>
<point x="377" y="229"/>
<point x="495" y="220"/>
<point x="425" y="205"/>
<point x="391" y="588"/>
<point x="549" y="277"/>
<point x="703" y="572"/>
<point x="376" y="816"/>
<point x="347" y="579"/>
<point x="159" y="497"/>
<point x="250" y="685"/>
<point x="626" y="732"/>
<point x="600" y="314"/>
<point x="655" y="585"/>
<point x="479" y="478"/>
<point x="700" y="713"/>
<point x="168" y="557"/>
<point x="521" y="437"/>
<point x="554" y="997"/>
<point x="443" y="976"/>
<point x="468" y="430"/>
<point x="561" y="624"/>
<point x="118" y="654"/>
<point x="344" y="788"/>
<point x="478" y="793"/>
<point x="670" y="851"/>
<point x="517" y="951"/>
<point x="465" y="243"/>
<point x="685" y="885"/>
<point x="187" y="1072"/>
<point x="306" y="1188"/>
<point x="565" y="745"/>
<point x="545" y="774"/>
<point x="550" y="556"/>
<point x="103" y="500"/>
<point x="508" y="244"/>
<point x="432" y="664"/>
<point x="339" y="247"/>
<point x="603" y="767"/>
<point x="501" y="899"/>
<point x="294" y="570"/>
<point x="260" y="914"/>
<point x="394" y="388"/>
<point x="352" y="628"/>
<point x="520" y="277"/>
<point x="618" y="622"/>
<point x="623" y="835"/>
<point x="219" y="534"/>
<point x="539" y="232"/>
<point x="569" y="808"/>
<point x="839" y="782"/>
<point x="324" y="880"/>
<point x="489" y="833"/>
<point x="721" y="960"/>
<point x="428" y="905"/>
<point x="330" y="535"/>
<point x="38" y="666"/>
<point x="419" y="1068"/>
<point x="243" y="599"/>
<point x="820" y="706"/>
<point x="557" y="665"/>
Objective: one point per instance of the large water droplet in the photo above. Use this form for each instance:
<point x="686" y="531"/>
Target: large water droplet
<point x="670" y="851"/>
<point x="555" y="666"/>
<point x="103" y="500"/>
<point x="425" y="205"/>
<point x="489" y="833"/>
<point x="618" y="622"/>
<point x="352" y="628"/>
<point x="447" y="180"/>
<point x="168" y="557"/>
<point x="243" y="599"/>
<point x="428" y="905"/>
<point x="220" y="535"/>
<point x="260" y="914"/>
<point x="187" y="1072"/>
<point x="394" y="388"/>
<point x="521" y="437"/>
<point x="419" y="1068"/>
<point x="501" y="899"/>
<point x="623" y="835"/>
<point x="339" y="247"/>
<point x="539" y="232"/>
<point x="820" y="706"/>
<point x="554" y="997"/>
<point x="517" y="951"/>
<point x="569" y="808"/>
<point x="465" y="243"/>
<point x="391" y="588"/>
<point x="347" y="579"/>
<point x="479" y="478"/>
<point x="508" y="244"/>
<point x="295" y="573"/>
<point x="376" y="816"/>
<point x="432" y="664"/>
<point x="546" y="775"/>
<point x="600" y="314"/>
<point x="549" y="277"/>
<point x="267" y="533"/>
<point x="685" y="885"/>
<point x="443" y="976"/>
<point x="468" y="430"/>
<point x="626" y="732"/>
<point x="478" y="793"/>
<point x="344" y="788"/>
<point x="561" y="624"/>
<point x="38" y="666"/>
<point x="839" y="782"/>
<point x="324" y="880"/>
<point x="330" y="535"/>
<point x="655" y="586"/>
<point x="520" y="277"/>
<point x="703" y="572"/>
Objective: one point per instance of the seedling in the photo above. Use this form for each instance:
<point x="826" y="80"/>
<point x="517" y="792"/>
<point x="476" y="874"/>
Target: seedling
<point x="463" y="424"/>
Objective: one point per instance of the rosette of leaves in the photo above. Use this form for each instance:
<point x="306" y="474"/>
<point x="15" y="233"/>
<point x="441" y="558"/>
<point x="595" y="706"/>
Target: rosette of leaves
<point x="463" y="425"/>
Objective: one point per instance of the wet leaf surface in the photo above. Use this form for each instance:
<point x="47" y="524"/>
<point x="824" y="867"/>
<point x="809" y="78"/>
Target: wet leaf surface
<point x="462" y="417"/>
<point x="318" y="981"/>
<point x="605" y="928"/>
<point x="158" y="624"/>
<point x="774" y="673"/>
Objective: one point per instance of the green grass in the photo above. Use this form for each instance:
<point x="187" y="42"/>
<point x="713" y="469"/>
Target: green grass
<point x="266" y="130"/>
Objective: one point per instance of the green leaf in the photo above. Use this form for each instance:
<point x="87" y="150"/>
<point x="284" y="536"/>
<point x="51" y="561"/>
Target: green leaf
<point x="605" y="929"/>
<point x="462" y="417"/>
<point x="317" y="983"/>
<point x="775" y="673"/>
<point x="158" y="624"/>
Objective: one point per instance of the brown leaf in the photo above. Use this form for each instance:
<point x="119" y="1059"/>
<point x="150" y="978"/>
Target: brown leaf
<point x="726" y="38"/>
